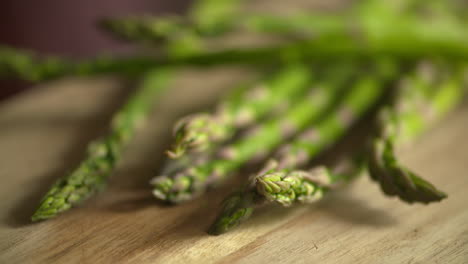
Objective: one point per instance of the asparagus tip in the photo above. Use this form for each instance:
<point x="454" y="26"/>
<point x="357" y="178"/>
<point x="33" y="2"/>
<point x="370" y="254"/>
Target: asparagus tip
<point x="397" y="180"/>
<point x="194" y="132"/>
<point x="161" y="186"/>
<point x="270" y="184"/>
<point x="176" y="152"/>
<point x="236" y="208"/>
<point x="174" y="190"/>
<point x="49" y="208"/>
<point x="286" y="188"/>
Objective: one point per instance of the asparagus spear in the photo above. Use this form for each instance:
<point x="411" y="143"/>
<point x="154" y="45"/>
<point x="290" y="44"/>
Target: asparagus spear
<point x="92" y="173"/>
<point x="419" y="104"/>
<point x="17" y="63"/>
<point x="200" y="131"/>
<point x="404" y="45"/>
<point x="207" y="17"/>
<point x="157" y="29"/>
<point x="282" y="169"/>
<point x="371" y="19"/>
<point x="283" y="187"/>
<point x="263" y="138"/>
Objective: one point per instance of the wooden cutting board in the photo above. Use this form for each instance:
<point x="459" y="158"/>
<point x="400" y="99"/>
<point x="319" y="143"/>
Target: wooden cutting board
<point x="43" y="134"/>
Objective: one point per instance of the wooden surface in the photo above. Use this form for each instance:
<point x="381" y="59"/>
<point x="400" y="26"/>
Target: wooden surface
<point x="43" y="134"/>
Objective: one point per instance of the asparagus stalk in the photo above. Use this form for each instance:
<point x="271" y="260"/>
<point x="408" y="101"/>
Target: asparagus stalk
<point x="158" y="29"/>
<point x="371" y="19"/>
<point x="207" y="17"/>
<point x="284" y="187"/>
<point x="280" y="180"/>
<point x="386" y="29"/>
<point x="404" y="45"/>
<point x="418" y="105"/>
<point x="185" y="38"/>
<point x="263" y="138"/>
<point x="200" y="131"/>
<point x="92" y="173"/>
<point x="21" y="64"/>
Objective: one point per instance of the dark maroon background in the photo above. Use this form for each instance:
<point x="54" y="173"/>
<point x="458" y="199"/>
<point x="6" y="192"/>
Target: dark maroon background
<point x="68" y="27"/>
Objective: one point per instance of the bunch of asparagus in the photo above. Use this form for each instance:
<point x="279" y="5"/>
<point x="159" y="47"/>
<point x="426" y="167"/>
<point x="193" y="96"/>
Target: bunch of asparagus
<point x="311" y="91"/>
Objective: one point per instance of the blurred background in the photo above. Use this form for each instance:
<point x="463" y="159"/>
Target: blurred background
<point x="68" y="27"/>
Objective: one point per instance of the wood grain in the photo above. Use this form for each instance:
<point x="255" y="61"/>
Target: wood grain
<point x="43" y="135"/>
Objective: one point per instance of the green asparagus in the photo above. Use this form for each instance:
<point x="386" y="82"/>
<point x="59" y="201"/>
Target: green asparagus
<point x="236" y="208"/>
<point x="200" y="131"/>
<point x="285" y="187"/>
<point x="405" y="46"/>
<point x="419" y="104"/>
<point x="93" y="171"/>
<point x="404" y="31"/>
<point x="195" y="180"/>
<point x="153" y="30"/>
<point x="372" y="20"/>
<point x="283" y="167"/>
<point x="21" y="64"/>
